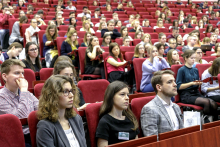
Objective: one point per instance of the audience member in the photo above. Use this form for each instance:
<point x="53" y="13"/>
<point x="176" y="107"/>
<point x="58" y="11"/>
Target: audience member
<point x="173" y="57"/>
<point x="96" y="13"/>
<point x="14" y="96"/>
<point x="146" y="38"/>
<point x="217" y="50"/>
<point x="70" y="6"/>
<point x="131" y="19"/>
<point x="124" y="33"/>
<point x="72" y="21"/>
<point x="173" y="44"/>
<point x="160" y="48"/>
<point x="191" y="41"/>
<point x="179" y="40"/>
<point x="117" y="122"/>
<point x="60" y="3"/>
<point x="159" y="24"/>
<point x="31" y="33"/>
<point x="119" y="8"/>
<point x="186" y="24"/>
<point x="162" y="39"/>
<point x="110" y="30"/>
<point x="213" y="39"/>
<point x="137" y="26"/>
<point x="39" y="20"/>
<point x="102" y="25"/>
<point x="118" y="24"/>
<point x="57" y="116"/>
<point x="86" y="12"/>
<point x="175" y="32"/>
<point x="115" y="17"/>
<point x="146" y="23"/>
<point x="198" y="59"/>
<point x="152" y="64"/>
<point x="188" y="86"/>
<point x="86" y="27"/>
<point x="21" y="3"/>
<point x="106" y="40"/>
<point x="59" y="20"/>
<point x="102" y="19"/>
<point x="138" y="35"/>
<point x="86" y="39"/>
<point x="126" y="41"/>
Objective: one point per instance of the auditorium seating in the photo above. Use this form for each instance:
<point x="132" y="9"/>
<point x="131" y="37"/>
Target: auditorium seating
<point x="37" y="89"/>
<point x="45" y="73"/>
<point x="201" y="68"/>
<point x="32" y="123"/>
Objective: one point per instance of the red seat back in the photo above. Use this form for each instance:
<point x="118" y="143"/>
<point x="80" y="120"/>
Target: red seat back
<point x="11" y="23"/>
<point x="45" y="73"/>
<point x="11" y="133"/>
<point x="137" y="63"/>
<point x="175" y="69"/>
<point x="81" y="34"/>
<point x="32" y="123"/>
<point x="82" y="53"/>
<point x="201" y="68"/>
<point x="164" y="30"/>
<point x="105" y="55"/>
<point x="63" y="28"/>
<point x="29" y="75"/>
<point x="209" y="58"/>
<point x="129" y="56"/>
<point x="136" y="105"/>
<point x="96" y="89"/>
<point x="59" y="43"/>
<point x="92" y="116"/>
<point x="136" y="41"/>
<point x="37" y="89"/>
<point x="208" y="53"/>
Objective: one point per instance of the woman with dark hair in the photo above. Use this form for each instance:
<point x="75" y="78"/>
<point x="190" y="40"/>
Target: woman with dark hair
<point x="32" y="60"/>
<point x="21" y="3"/>
<point x="116" y="64"/>
<point x="86" y="39"/>
<point x="93" y="66"/>
<point x="198" y="59"/>
<point x="175" y="24"/>
<point x="173" y="57"/>
<point x="160" y="48"/>
<point x="69" y="45"/>
<point x="211" y="90"/>
<point x="116" y="118"/>
<point x="124" y="32"/>
<point x="70" y="28"/>
<point x="17" y="32"/>
<point x="72" y="21"/>
<point x="106" y="40"/>
<point x="179" y="40"/>
<point x="205" y="19"/>
<point x="49" y="44"/>
<point x="59" y="123"/>
<point x="209" y="28"/>
<point x="162" y="16"/>
<point x="188" y="86"/>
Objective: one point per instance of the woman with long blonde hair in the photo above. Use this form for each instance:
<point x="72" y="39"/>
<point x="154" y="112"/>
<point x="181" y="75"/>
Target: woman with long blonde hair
<point x="86" y="27"/>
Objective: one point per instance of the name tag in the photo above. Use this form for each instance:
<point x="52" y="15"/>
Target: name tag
<point x="123" y="135"/>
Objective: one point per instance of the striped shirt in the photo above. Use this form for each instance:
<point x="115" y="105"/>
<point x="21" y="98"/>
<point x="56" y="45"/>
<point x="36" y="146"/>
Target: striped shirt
<point x="20" y="105"/>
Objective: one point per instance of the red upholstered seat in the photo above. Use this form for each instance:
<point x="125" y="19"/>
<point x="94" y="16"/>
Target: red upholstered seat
<point x="82" y="52"/>
<point x="45" y="73"/>
<point x="136" y="105"/>
<point x="96" y="89"/>
<point x="40" y="34"/>
<point x="37" y="89"/>
<point x="32" y="123"/>
<point x="59" y="43"/>
<point x="11" y="23"/>
<point x="92" y="116"/>
<point x="209" y="58"/>
<point x="201" y="68"/>
<point x="105" y="55"/>
<point x="11" y="133"/>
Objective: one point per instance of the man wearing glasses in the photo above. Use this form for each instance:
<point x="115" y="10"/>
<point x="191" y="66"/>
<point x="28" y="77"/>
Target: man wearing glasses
<point x="14" y="97"/>
<point x="4" y="27"/>
<point x="172" y="45"/>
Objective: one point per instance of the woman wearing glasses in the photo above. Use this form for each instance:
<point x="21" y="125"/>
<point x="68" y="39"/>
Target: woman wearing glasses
<point x="59" y="123"/>
<point x="32" y="60"/>
<point x="31" y="33"/>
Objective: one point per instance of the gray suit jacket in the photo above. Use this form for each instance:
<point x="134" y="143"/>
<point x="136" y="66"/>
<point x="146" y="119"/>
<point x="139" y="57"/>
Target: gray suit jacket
<point x="155" y="118"/>
<point x="51" y="134"/>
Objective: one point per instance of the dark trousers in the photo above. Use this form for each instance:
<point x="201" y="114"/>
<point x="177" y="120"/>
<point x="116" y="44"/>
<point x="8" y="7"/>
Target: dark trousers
<point x="27" y="139"/>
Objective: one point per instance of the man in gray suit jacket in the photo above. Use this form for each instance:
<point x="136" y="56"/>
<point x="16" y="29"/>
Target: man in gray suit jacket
<point x="160" y="114"/>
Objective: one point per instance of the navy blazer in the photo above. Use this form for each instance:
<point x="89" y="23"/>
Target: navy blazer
<point x="51" y="134"/>
<point x="115" y="34"/>
<point x="66" y="48"/>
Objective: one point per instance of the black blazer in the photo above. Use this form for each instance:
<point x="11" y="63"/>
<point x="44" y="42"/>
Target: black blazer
<point x="66" y="48"/>
<point x="115" y="34"/>
<point x="50" y="134"/>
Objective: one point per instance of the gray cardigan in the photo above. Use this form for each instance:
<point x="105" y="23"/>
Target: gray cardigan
<point x="50" y="134"/>
<point x="15" y="33"/>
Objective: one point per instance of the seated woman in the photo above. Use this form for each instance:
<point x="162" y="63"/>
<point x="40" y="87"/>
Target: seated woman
<point x="116" y="118"/>
<point x="136" y="26"/>
<point x="180" y="18"/>
<point x="216" y="31"/>
<point x="66" y="68"/>
<point x="173" y="57"/>
<point x="49" y="44"/>
<point x="209" y="28"/>
<point x="17" y="32"/>
<point x="198" y="59"/>
<point x="139" y="51"/>
<point x="108" y="8"/>
<point x="126" y="41"/>
<point x="146" y="23"/>
<point x="118" y="23"/>
<point x="146" y="38"/>
<point x="72" y="21"/>
<point x="86" y="27"/>
<point x="106" y="40"/>
<point x="69" y="45"/>
<point x="21" y="3"/>
<point x="206" y="41"/>
<point x="102" y="25"/>
<point x="159" y="24"/>
<point x="175" y="24"/>
<point x="217" y="50"/>
<point x="211" y="90"/>
<point x="70" y="28"/>
<point x="162" y="16"/>
<point x="179" y="40"/>
<point x="160" y="48"/>
<point x="13" y="52"/>
<point x="188" y="86"/>
<point x="58" y="120"/>
<point x="129" y="4"/>
<point x="32" y="60"/>
<point x="86" y="39"/>
<point x="152" y="64"/>
<point x="138" y="35"/>
<point x="31" y="33"/>
<point x="93" y="66"/>
<point x="115" y="65"/>
<point x="40" y="22"/>
<point x="51" y="22"/>
<point x="124" y="32"/>
<point x="200" y="25"/>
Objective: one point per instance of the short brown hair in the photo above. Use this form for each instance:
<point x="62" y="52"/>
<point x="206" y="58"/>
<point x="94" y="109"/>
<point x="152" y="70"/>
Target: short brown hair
<point x="157" y="78"/>
<point x="16" y="45"/>
<point x="6" y="65"/>
<point x="187" y="54"/>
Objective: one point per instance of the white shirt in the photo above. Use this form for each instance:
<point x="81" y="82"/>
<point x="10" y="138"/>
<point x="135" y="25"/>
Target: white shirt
<point x="171" y="113"/>
<point x="128" y="25"/>
<point x="72" y="8"/>
<point x="82" y="14"/>
<point x="97" y="25"/>
<point x="91" y="30"/>
<point x="155" y="27"/>
<point x="71" y="138"/>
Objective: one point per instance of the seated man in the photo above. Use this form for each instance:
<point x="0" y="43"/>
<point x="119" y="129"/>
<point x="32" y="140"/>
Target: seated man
<point x="161" y="114"/>
<point x="70" y="6"/>
<point x="172" y="45"/>
<point x="213" y="39"/>
<point x="131" y="19"/>
<point x="71" y="14"/>
<point x="60" y="3"/>
<point x="30" y="10"/>
<point x="115" y="17"/>
<point x="162" y="39"/>
<point x="102" y="19"/>
<point x="119" y="8"/>
<point x="178" y="2"/>
<point x="107" y="3"/>
<point x="215" y="5"/>
<point x="126" y="41"/>
<point x="186" y="24"/>
<point x="164" y="4"/>
<point x="191" y="41"/>
<point x="199" y="10"/>
<point x="86" y="12"/>
<point x="111" y="30"/>
<point x="212" y="16"/>
<point x="4" y="18"/>
<point x="137" y="26"/>
<point x="14" y="97"/>
<point x="175" y="32"/>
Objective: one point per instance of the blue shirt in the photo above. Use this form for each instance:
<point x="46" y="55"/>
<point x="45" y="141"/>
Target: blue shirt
<point x="167" y="50"/>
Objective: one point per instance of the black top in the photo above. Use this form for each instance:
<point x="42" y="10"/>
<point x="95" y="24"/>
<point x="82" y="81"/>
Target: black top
<point x="82" y="102"/>
<point x="116" y="9"/>
<point x="61" y="6"/>
<point x="114" y="35"/>
<point x="83" y="45"/>
<point x="132" y="30"/>
<point x="28" y="66"/>
<point x="109" y="128"/>
<point x="60" y="24"/>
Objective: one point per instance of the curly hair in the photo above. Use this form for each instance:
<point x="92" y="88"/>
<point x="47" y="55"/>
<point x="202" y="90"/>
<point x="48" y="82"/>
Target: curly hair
<point x="49" y="100"/>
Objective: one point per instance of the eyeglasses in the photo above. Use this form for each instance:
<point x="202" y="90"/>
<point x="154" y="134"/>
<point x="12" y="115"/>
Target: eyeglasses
<point x="199" y="52"/>
<point x="141" y="48"/>
<point x="66" y="92"/>
<point x="33" y="49"/>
